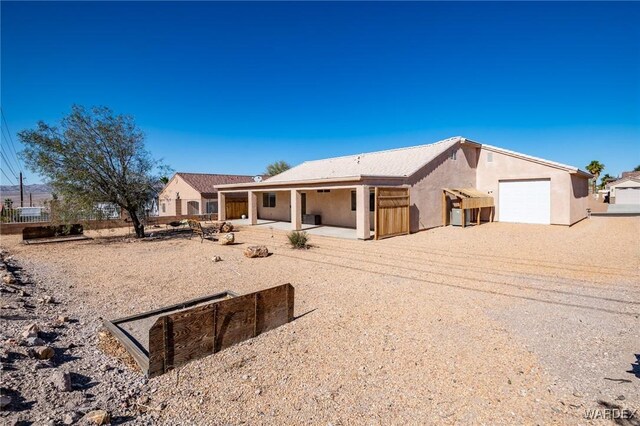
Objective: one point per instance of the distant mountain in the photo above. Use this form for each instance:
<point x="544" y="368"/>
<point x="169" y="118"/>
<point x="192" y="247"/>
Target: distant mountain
<point x="36" y="188"/>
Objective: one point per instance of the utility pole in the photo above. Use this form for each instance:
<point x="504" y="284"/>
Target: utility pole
<point x="21" y="192"/>
<point x="30" y="200"/>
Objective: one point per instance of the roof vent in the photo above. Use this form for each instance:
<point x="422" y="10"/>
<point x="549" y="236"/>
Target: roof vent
<point x="257" y="178"/>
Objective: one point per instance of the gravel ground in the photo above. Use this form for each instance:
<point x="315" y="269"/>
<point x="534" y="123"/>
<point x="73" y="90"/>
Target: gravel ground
<point x="497" y="324"/>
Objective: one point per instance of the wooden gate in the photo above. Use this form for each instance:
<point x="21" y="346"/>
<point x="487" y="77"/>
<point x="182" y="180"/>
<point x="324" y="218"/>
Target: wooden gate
<point x="391" y="212"/>
<point x="234" y="209"/>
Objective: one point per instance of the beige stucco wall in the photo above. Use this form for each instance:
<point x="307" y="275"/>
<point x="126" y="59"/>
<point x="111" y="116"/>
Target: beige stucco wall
<point x="567" y="204"/>
<point x="168" y="195"/>
<point x="579" y="198"/>
<point x="427" y="184"/>
<point x="334" y="207"/>
<point x="282" y="210"/>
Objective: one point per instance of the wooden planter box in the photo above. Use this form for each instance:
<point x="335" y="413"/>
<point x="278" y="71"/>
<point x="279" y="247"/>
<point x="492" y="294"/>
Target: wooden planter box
<point x="169" y="337"/>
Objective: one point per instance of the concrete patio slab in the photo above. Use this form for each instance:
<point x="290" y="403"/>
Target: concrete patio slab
<point x="323" y="230"/>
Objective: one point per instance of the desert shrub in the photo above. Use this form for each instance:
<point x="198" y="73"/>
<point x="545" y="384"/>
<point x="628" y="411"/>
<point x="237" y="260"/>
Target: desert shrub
<point x="298" y="239"/>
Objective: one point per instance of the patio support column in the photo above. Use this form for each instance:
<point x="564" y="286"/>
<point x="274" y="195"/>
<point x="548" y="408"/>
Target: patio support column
<point x="222" y="206"/>
<point x="363" y="231"/>
<point x="296" y="210"/>
<point x="253" y="207"/>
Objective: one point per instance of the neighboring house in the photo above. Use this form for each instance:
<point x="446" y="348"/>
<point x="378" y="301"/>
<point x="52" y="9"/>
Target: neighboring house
<point x="525" y="189"/>
<point x="195" y="194"/>
<point x="625" y="190"/>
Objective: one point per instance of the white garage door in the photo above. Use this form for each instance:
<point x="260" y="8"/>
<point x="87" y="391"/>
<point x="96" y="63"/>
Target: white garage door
<point x="525" y="201"/>
<point x="627" y="195"/>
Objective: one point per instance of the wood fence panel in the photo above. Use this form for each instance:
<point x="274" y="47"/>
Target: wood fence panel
<point x="175" y="339"/>
<point x="391" y="212"/>
<point x="236" y="208"/>
<point x="235" y="321"/>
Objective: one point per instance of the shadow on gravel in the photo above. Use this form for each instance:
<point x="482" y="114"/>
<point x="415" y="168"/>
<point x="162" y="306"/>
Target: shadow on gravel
<point x="306" y="313"/>
<point x="82" y="382"/>
<point x="18" y="403"/>
<point x="635" y="368"/>
<point x="119" y="420"/>
<point x="62" y="357"/>
<point x="16" y="317"/>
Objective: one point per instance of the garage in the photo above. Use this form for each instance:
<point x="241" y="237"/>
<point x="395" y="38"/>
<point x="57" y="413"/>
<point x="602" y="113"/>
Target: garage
<point x="628" y="195"/>
<point x="525" y="201"/>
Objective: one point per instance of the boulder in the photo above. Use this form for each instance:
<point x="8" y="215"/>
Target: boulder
<point x="33" y="341"/>
<point x="98" y="417"/>
<point x="256" y="251"/>
<point x="41" y="352"/>
<point x="227" y="239"/>
<point x="8" y="279"/>
<point x="216" y="258"/>
<point x="226" y="227"/>
<point x="31" y="330"/>
<point x="62" y="381"/>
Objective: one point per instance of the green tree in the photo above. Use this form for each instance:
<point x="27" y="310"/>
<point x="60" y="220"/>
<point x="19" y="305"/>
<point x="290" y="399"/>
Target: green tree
<point x="606" y="178"/>
<point x="637" y="169"/>
<point x="164" y="180"/>
<point x="595" y="168"/>
<point x="277" y="168"/>
<point x="94" y="156"/>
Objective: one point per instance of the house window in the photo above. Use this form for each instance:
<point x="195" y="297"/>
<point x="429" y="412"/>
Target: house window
<point x="212" y="207"/>
<point x="453" y="154"/>
<point x="269" y="199"/>
<point x="323" y="190"/>
<point x="164" y="208"/>
<point x="193" y="207"/>
<point x="372" y="201"/>
<point x="489" y="157"/>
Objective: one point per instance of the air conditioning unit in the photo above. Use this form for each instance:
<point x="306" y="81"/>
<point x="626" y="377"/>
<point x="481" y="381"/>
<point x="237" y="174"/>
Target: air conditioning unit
<point x="456" y="217"/>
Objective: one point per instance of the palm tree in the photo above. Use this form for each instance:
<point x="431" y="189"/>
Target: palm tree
<point x="595" y="168"/>
<point x="277" y="168"/>
<point x="606" y="178"/>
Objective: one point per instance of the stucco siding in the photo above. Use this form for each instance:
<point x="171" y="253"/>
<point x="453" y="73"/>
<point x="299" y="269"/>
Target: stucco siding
<point x="579" y="199"/>
<point x="169" y="194"/>
<point x="282" y="210"/>
<point x="506" y="167"/>
<point x="428" y="182"/>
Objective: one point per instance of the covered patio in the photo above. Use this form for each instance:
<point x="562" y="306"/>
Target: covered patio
<point x="322" y="230"/>
<point x="339" y="209"/>
<point x="363" y="206"/>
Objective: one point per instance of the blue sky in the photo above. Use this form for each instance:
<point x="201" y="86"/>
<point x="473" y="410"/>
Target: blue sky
<point x="231" y="87"/>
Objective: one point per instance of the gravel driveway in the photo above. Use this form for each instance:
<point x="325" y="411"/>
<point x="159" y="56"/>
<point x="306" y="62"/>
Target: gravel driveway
<point x="496" y="324"/>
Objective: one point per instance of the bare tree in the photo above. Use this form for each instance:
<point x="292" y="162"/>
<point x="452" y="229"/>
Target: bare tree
<point x="94" y="156"/>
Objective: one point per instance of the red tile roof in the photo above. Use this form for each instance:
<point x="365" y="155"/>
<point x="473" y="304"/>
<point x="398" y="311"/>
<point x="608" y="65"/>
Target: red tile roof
<point x="205" y="183"/>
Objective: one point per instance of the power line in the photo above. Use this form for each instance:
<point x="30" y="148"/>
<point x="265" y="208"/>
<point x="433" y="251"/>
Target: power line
<point x="8" y="157"/>
<point x="8" y="165"/>
<point x="5" y="175"/>
<point x="6" y="125"/>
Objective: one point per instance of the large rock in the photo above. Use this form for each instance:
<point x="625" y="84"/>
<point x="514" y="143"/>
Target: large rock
<point x="31" y="330"/>
<point x="41" y="352"/>
<point x="227" y="239"/>
<point x="62" y="381"/>
<point x="33" y="341"/>
<point x="9" y="279"/>
<point x="226" y="227"/>
<point x="98" y="417"/>
<point x="256" y="251"/>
